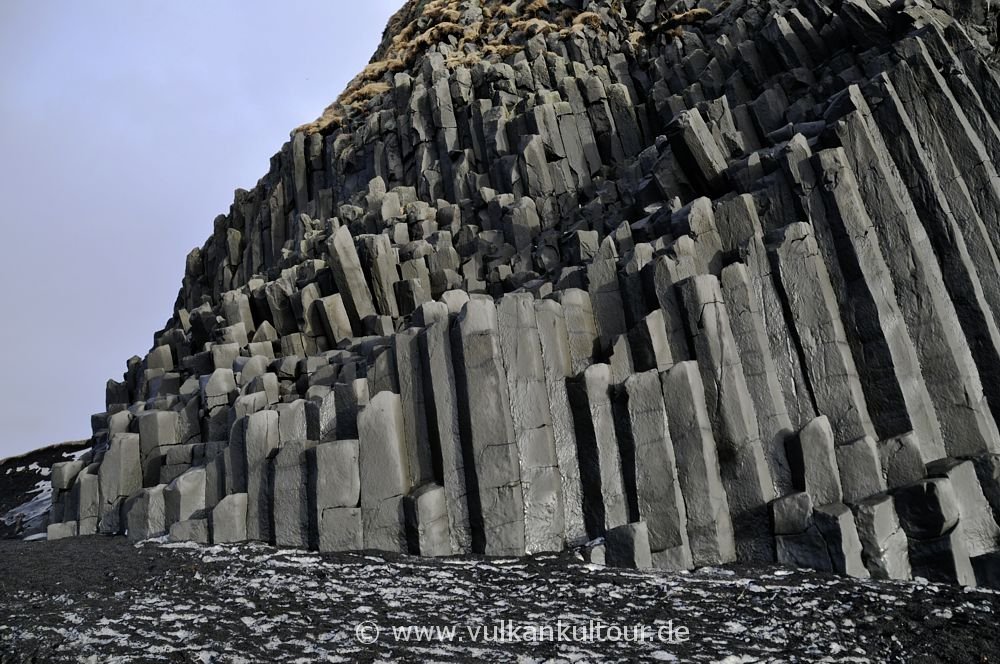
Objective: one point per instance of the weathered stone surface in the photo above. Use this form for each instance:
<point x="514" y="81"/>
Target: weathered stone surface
<point x="836" y="524"/>
<point x="146" y="514"/>
<point x="384" y="475"/>
<point x="427" y="521"/>
<point x="750" y="332"/>
<point x="652" y="467"/>
<point x="541" y="483"/>
<point x="260" y="440"/>
<point x="929" y="313"/>
<point x="976" y="519"/>
<point x="292" y="511"/>
<point x="745" y="472"/>
<point x="557" y="366"/>
<point x="833" y="376"/>
<point x="883" y="541"/>
<point x="628" y="546"/>
<point x="57" y="531"/>
<point x="334" y="477"/>
<point x="496" y="506"/>
<point x="185" y="495"/>
<point x="814" y="462"/>
<point x="120" y="476"/>
<point x="860" y="470"/>
<point x="340" y="529"/>
<point x="229" y="519"/>
<point x="927" y="509"/>
<point x="191" y="530"/>
<point x="709" y="525"/>
<point x="604" y="497"/>
<point x="64" y="474"/>
<point x="443" y="428"/>
<point x="942" y="559"/>
<point x="351" y="284"/>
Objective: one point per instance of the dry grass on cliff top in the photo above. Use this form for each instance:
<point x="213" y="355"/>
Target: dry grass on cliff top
<point x="465" y="36"/>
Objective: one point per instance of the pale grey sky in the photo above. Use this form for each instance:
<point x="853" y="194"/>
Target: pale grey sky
<point x="125" y="126"/>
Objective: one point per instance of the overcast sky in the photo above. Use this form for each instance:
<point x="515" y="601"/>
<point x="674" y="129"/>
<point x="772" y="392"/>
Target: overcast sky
<point x="125" y="127"/>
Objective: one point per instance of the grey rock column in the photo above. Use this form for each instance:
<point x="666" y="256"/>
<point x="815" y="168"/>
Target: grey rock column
<point x="944" y="354"/>
<point x="780" y="325"/>
<point x="350" y="278"/>
<point x="814" y="462"/>
<point x="229" y="519"/>
<point x="709" y="525"/>
<point x="145" y="514"/>
<point x="541" y="482"/>
<point x="497" y="511"/>
<point x="628" y="546"/>
<point x="260" y="440"/>
<point x="385" y="476"/>
<point x="956" y="240"/>
<point x="427" y="521"/>
<point x="659" y="499"/>
<point x="411" y="391"/>
<point x="597" y="444"/>
<point x="581" y="330"/>
<point x="833" y="375"/>
<point x="884" y="544"/>
<point x="759" y="369"/>
<point x="292" y="512"/>
<point x="443" y="428"/>
<point x="120" y="476"/>
<point x="890" y="371"/>
<point x="978" y="525"/>
<point x="745" y="472"/>
<point x="557" y="367"/>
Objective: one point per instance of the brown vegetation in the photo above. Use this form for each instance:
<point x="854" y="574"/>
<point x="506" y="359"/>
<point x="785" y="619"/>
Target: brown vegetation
<point x="421" y="25"/>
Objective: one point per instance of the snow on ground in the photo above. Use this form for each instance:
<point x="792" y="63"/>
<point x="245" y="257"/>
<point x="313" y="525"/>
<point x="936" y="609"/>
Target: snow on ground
<point x="253" y="603"/>
<point x="36" y="507"/>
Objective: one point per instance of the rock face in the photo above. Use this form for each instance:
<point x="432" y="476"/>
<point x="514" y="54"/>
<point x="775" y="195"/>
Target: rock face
<point x="712" y="286"/>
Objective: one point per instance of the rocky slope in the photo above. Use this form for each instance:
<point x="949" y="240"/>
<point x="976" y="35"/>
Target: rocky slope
<point x="691" y="284"/>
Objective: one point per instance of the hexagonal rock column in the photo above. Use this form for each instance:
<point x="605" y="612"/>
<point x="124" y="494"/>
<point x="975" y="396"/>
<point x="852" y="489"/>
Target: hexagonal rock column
<point x="260" y="439"/>
<point x="750" y="332"/>
<point x="229" y="519"/>
<point x="605" y="504"/>
<point x="813" y="460"/>
<point x="335" y="484"/>
<point x="979" y="527"/>
<point x="745" y="472"/>
<point x="443" y="427"/>
<point x="185" y="496"/>
<point x="883" y="542"/>
<point x="709" y="524"/>
<point x="928" y="511"/>
<point x="628" y="546"/>
<point x="120" y="476"/>
<point x="658" y="497"/>
<point x="146" y="514"/>
<point x="384" y="475"/>
<point x="496" y="502"/>
<point x="350" y="279"/>
<point x="829" y="365"/>
<point x="427" y="521"/>
<point x="86" y="496"/>
<point x="292" y="512"/>
<point x="541" y="483"/>
<point x="557" y="367"/>
<point x="929" y="313"/>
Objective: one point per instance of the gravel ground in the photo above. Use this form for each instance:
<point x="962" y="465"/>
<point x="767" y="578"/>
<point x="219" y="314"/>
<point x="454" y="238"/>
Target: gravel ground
<point x="104" y="600"/>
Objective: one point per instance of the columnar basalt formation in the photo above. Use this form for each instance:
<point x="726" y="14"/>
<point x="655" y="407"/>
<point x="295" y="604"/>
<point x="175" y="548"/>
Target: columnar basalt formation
<point x="713" y="281"/>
